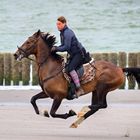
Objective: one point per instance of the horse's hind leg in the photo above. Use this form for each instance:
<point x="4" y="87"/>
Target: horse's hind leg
<point x="94" y="102"/>
<point x="98" y="102"/>
<point x="87" y="110"/>
<point x="104" y="103"/>
<point x="40" y="95"/>
<point x="55" y="106"/>
<point x="99" y="96"/>
<point x="94" y="99"/>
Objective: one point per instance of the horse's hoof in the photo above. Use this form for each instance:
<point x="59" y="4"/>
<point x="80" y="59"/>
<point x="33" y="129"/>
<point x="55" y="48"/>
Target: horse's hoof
<point x="37" y="113"/>
<point x="72" y="113"/>
<point x="46" y="114"/>
<point x="73" y="125"/>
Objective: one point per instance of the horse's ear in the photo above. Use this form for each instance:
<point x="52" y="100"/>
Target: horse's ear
<point x="37" y="33"/>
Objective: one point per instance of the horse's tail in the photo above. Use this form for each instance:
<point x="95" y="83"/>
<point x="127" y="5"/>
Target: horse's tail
<point x="132" y="72"/>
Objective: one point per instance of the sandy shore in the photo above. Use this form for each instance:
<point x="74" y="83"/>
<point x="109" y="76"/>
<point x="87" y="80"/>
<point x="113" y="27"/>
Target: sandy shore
<point x="121" y="120"/>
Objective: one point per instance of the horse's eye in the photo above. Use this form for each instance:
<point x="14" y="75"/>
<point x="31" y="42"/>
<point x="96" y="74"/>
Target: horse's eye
<point x="28" y="42"/>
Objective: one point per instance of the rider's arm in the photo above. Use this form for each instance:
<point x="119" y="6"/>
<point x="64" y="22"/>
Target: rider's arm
<point x="67" y="43"/>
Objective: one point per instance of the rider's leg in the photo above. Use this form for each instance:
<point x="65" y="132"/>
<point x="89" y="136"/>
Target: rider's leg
<point x="75" y="62"/>
<point x="76" y="80"/>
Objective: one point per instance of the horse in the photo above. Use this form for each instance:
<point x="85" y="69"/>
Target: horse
<point x="108" y="76"/>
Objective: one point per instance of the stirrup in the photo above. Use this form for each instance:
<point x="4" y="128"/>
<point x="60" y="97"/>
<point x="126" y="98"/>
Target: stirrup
<point x="78" y="93"/>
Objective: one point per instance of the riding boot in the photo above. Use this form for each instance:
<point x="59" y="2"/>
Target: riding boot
<point x="75" y="78"/>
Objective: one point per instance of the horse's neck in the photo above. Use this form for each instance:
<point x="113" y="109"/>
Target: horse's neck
<point x="44" y="58"/>
<point x="42" y="53"/>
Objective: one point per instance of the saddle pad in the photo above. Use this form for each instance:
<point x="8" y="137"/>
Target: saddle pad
<point x="89" y="71"/>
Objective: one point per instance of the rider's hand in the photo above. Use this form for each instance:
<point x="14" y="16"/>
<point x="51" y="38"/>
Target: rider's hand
<point x="54" y="49"/>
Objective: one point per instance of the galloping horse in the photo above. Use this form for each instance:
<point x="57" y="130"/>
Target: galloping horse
<point x="108" y="76"/>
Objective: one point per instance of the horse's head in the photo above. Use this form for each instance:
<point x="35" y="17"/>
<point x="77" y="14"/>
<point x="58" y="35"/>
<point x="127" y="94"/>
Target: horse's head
<point x="28" y="47"/>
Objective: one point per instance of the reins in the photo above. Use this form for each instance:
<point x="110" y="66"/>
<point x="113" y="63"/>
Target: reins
<point x="25" y="54"/>
<point x="54" y="75"/>
<point x="41" y="63"/>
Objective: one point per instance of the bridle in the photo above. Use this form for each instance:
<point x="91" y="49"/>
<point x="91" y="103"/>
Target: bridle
<point x="26" y="55"/>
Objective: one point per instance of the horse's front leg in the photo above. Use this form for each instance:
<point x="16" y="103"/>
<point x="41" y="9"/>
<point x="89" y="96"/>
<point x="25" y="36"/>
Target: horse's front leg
<point x="55" y="106"/>
<point x="40" y="95"/>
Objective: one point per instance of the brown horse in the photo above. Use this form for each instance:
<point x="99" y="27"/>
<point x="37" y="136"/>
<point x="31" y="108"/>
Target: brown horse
<point x="54" y="85"/>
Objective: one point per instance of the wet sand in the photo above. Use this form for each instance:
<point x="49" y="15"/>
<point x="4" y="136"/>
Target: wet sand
<point x="120" y="121"/>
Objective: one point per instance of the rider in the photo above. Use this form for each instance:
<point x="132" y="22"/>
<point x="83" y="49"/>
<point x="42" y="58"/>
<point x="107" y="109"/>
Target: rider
<point x="77" y="52"/>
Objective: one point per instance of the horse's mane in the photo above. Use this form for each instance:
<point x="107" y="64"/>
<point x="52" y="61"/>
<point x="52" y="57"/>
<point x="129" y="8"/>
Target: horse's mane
<point x="50" y="40"/>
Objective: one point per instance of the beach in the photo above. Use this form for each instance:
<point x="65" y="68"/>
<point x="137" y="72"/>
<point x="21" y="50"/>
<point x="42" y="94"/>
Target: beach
<point x="108" y="29"/>
<point x="120" y="120"/>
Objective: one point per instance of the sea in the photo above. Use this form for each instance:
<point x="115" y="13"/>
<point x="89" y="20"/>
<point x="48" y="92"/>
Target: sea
<point x="100" y="25"/>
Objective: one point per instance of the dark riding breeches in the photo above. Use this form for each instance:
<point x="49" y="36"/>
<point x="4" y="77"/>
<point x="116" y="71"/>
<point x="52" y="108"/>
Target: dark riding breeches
<point x="75" y="62"/>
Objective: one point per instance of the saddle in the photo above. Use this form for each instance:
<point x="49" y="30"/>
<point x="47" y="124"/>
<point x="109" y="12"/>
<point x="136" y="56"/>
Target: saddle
<point x="86" y="74"/>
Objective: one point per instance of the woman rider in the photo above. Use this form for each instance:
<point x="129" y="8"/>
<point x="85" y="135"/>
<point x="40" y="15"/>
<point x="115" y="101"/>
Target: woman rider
<point x="70" y="44"/>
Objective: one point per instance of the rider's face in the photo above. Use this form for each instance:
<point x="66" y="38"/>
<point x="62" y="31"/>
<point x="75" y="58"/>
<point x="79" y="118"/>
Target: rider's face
<point x="60" y="25"/>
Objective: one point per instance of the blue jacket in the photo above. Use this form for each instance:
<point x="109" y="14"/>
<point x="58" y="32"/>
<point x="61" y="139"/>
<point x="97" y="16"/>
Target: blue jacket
<point x="69" y="42"/>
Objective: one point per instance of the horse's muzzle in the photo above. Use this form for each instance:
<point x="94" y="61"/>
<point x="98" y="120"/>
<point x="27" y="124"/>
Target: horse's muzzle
<point x="18" y="57"/>
<point x="15" y="56"/>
